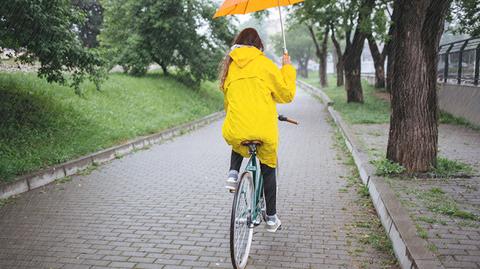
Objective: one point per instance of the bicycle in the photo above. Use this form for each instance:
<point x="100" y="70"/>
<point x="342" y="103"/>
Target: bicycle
<point x="248" y="209"/>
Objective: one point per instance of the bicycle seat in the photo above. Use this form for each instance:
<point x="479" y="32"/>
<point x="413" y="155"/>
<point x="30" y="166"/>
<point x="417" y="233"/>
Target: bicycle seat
<point x="252" y="142"/>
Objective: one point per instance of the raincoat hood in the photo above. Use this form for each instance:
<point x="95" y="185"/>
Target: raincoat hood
<point x="242" y="55"/>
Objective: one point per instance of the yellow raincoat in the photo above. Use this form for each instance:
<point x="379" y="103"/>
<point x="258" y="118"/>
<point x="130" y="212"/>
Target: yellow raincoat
<point x="252" y="88"/>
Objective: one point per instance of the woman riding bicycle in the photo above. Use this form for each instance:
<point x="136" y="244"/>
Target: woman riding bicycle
<point x="252" y="85"/>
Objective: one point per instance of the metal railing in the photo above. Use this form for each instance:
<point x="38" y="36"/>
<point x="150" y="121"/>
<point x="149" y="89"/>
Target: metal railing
<point x="459" y="62"/>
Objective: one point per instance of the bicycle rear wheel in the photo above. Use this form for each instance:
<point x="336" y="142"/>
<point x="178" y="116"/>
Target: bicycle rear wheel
<point x="241" y="230"/>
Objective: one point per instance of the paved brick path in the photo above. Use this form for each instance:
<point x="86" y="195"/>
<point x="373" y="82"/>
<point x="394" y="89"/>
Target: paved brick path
<point x="456" y="241"/>
<point x="166" y="208"/>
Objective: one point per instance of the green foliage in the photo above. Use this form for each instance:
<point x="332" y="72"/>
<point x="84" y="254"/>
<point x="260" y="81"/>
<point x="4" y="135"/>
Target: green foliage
<point x="300" y="46"/>
<point x="450" y="168"/>
<point x="379" y="22"/>
<point x="178" y="34"/>
<point x="464" y="16"/>
<point x="385" y="167"/>
<point x="43" y="124"/>
<point x="46" y="34"/>
<point x="90" y="28"/>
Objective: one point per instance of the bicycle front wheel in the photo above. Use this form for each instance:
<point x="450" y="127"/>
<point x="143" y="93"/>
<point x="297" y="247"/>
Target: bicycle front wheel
<point x="241" y="228"/>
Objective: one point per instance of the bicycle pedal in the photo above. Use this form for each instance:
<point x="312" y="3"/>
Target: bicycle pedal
<point x="231" y="191"/>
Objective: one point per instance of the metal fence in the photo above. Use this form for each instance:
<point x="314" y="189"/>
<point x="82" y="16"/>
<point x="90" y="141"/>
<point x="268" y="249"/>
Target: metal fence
<point x="459" y="62"/>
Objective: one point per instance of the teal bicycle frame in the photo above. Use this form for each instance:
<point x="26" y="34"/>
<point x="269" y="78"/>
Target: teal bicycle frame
<point x="254" y="168"/>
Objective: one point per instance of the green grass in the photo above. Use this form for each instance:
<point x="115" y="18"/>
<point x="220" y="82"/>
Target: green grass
<point x="421" y="232"/>
<point x="450" y="168"/>
<point x="42" y="124"/>
<point x="372" y="231"/>
<point x="445" y="168"/>
<point x="430" y="220"/>
<point x="373" y="110"/>
<point x="437" y="201"/>
<point x="447" y="118"/>
<point x="4" y="202"/>
<point x="385" y="167"/>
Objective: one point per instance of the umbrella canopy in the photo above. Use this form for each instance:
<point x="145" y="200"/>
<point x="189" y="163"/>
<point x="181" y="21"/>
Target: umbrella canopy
<point x="231" y="7"/>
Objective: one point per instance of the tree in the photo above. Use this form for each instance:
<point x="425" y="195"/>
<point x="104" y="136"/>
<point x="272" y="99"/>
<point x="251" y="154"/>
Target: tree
<point x="317" y="16"/>
<point x="413" y="136"/>
<point x="339" y="53"/>
<point x="44" y="31"/>
<point x="171" y="33"/>
<point x="300" y="46"/>
<point x="321" y="52"/>
<point x="379" y="32"/>
<point x="378" y="61"/>
<point x="354" y="48"/>
<point x="390" y="47"/>
<point x="93" y="13"/>
<point x="354" y="18"/>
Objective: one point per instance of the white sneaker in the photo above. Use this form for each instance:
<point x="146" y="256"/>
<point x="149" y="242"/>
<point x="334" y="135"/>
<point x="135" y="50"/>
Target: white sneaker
<point x="273" y="223"/>
<point x="232" y="179"/>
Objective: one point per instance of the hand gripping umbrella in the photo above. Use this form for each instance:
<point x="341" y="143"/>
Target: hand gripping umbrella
<point x="230" y="7"/>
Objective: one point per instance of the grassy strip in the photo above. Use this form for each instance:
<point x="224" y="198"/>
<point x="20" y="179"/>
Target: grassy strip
<point x="42" y="124"/>
<point x="447" y="118"/>
<point x="374" y="110"/>
<point x="437" y="201"/>
<point x="374" y="235"/>
<point x="441" y="204"/>
<point x="377" y="110"/>
<point x="445" y="168"/>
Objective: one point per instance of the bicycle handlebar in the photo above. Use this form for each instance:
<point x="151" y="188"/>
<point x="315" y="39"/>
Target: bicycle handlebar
<point x="283" y="118"/>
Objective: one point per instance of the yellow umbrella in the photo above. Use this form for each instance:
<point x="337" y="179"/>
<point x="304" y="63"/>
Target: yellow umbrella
<point x="230" y="7"/>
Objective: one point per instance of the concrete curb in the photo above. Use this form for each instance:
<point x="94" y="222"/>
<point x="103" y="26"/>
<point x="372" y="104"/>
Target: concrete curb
<point x="45" y="176"/>
<point x="410" y="250"/>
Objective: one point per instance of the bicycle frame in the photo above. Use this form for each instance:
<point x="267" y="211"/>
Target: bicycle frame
<point x="254" y="167"/>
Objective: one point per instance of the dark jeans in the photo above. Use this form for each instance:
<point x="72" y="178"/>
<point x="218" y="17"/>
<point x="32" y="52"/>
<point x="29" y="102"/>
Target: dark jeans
<point x="269" y="182"/>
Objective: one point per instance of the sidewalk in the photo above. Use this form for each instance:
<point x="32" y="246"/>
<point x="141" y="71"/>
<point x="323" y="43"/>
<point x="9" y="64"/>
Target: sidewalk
<point x="430" y="202"/>
<point x="166" y="207"/>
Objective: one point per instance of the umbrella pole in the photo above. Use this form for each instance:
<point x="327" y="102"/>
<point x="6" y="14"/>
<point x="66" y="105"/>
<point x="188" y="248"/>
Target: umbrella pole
<point x="283" y="31"/>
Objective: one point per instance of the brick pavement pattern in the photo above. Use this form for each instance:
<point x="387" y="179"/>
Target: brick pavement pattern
<point x="456" y="241"/>
<point x="166" y="207"/>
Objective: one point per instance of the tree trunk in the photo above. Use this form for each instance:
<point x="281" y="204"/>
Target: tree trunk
<point x="352" y="67"/>
<point x="302" y="68"/>
<point x="340" y="59"/>
<point x="335" y="61"/>
<point x="164" y="69"/>
<point x="353" y="85"/>
<point x="413" y="137"/>
<point x="388" y="52"/>
<point x="379" y="62"/>
<point x="307" y="59"/>
<point x="323" y="60"/>
<point x="353" y="54"/>
<point x="390" y="62"/>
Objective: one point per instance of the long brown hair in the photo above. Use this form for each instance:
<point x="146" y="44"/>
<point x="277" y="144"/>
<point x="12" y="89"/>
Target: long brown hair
<point x="248" y="37"/>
